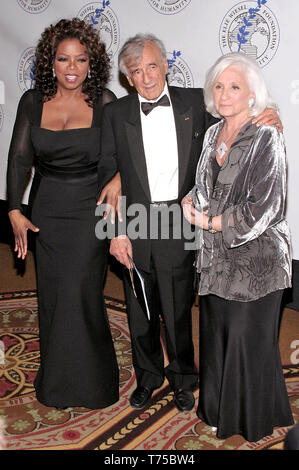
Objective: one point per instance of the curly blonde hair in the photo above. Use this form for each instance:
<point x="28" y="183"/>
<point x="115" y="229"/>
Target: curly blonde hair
<point x="99" y="62"/>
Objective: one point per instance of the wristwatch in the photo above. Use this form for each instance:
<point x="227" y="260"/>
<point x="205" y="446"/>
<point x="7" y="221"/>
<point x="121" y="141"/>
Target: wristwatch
<point x="210" y="225"/>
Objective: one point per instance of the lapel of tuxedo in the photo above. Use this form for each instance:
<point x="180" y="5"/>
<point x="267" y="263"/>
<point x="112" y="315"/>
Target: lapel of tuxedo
<point x="134" y="135"/>
<point x="183" y="115"/>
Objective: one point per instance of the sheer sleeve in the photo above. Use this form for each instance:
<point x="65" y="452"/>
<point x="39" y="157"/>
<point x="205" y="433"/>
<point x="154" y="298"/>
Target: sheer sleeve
<point x="21" y="152"/>
<point x="107" y="166"/>
<point x="108" y="96"/>
<point x="265" y="204"/>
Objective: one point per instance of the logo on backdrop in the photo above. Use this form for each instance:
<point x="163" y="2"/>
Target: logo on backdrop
<point x="101" y="16"/>
<point x="179" y="73"/>
<point x="169" y="7"/>
<point x="34" y="6"/>
<point x="250" y="27"/>
<point x="25" y="73"/>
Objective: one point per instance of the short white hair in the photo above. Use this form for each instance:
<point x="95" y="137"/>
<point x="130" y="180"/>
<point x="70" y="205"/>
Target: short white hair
<point x="254" y="78"/>
<point x="132" y="50"/>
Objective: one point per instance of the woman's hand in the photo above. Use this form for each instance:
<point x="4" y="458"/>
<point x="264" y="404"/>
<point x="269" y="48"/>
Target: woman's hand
<point x="194" y="216"/>
<point x="186" y="204"/>
<point x="20" y="224"/>
<point x="112" y="193"/>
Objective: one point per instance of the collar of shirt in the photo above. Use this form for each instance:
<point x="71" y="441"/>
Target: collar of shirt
<point x="161" y="153"/>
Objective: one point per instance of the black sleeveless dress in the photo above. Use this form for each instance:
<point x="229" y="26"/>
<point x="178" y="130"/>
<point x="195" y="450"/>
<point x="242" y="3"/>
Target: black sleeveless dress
<point x="78" y="364"/>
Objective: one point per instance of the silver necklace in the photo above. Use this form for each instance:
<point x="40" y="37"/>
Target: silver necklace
<point x="222" y="149"/>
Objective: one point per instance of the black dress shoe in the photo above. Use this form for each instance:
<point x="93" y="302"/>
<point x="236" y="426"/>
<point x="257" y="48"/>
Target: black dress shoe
<point x="183" y="399"/>
<point x="140" y="397"/>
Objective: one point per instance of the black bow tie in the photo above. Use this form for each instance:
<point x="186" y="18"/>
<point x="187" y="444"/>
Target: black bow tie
<point x="148" y="107"/>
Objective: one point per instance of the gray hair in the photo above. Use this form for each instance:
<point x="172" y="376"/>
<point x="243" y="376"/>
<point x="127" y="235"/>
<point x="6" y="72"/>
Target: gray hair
<point x="253" y="76"/>
<point x="132" y="49"/>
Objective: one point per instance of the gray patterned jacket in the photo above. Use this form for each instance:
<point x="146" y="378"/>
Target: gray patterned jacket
<point x="251" y="257"/>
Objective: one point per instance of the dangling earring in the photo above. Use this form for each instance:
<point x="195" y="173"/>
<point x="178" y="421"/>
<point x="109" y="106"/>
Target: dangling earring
<point x="251" y="102"/>
<point x="89" y="74"/>
<point x="54" y="74"/>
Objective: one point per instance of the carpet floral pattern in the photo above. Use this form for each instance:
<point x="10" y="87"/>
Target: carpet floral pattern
<point x="33" y="426"/>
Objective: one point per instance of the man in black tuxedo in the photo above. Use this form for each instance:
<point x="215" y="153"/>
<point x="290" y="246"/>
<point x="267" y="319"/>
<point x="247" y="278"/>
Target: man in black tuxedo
<point x="156" y="150"/>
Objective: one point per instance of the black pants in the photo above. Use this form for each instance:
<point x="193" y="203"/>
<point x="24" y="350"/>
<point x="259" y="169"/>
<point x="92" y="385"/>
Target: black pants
<point x="242" y="388"/>
<point x="169" y="286"/>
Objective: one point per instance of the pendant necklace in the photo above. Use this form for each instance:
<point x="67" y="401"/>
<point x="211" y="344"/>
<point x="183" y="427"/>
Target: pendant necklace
<point x="222" y="149"/>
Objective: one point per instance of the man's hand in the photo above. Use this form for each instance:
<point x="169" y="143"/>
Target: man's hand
<point x="112" y="193"/>
<point x="20" y="224"/>
<point x="121" y="247"/>
<point x="269" y="117"/>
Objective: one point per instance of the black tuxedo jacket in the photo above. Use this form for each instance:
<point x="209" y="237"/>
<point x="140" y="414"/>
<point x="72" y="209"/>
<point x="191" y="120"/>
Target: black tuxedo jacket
<point x="122" y="149"/>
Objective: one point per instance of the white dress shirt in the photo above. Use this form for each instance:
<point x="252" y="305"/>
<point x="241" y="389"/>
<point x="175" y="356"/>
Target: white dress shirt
<point x="161" y="151"/>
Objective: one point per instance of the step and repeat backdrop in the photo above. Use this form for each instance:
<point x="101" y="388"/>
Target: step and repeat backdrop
<point x="195" y="33"/>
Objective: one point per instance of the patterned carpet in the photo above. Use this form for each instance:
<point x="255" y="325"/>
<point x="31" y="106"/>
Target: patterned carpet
<point x="29" y="425"/>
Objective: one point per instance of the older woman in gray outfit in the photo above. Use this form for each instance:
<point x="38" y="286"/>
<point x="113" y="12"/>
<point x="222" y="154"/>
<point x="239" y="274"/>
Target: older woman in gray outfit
<point x="244" y="257"/>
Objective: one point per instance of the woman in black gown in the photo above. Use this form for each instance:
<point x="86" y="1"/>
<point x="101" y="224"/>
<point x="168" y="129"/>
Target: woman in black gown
<point x="57" y="130"/>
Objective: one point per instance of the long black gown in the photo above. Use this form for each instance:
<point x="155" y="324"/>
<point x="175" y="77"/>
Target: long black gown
<point x="78" y="364"/>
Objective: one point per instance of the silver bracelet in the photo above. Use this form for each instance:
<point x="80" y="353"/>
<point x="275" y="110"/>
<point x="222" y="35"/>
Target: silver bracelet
<point x="210" y="225"/>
